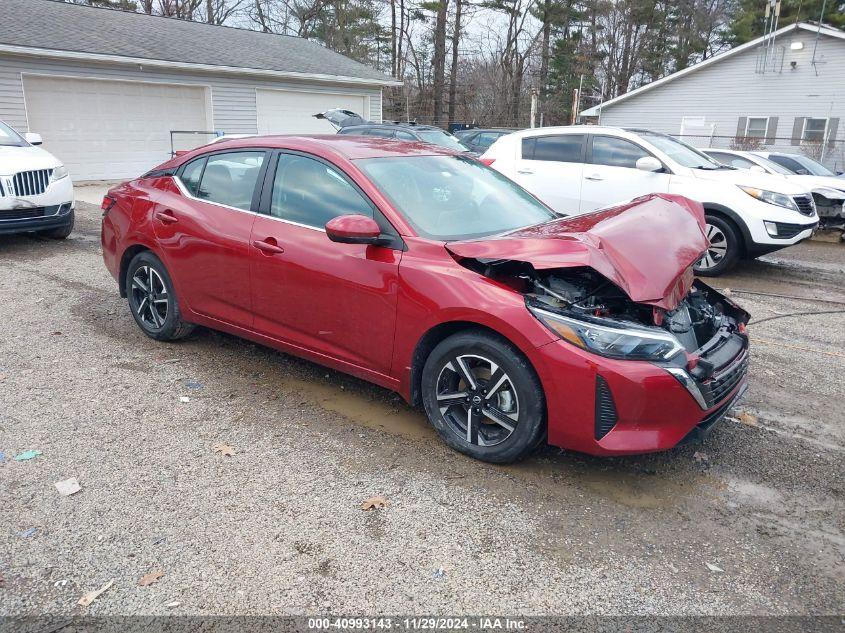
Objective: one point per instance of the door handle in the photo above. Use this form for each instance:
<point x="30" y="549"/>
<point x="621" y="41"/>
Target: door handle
<point x="166" y="217"/>
<point x="268" y="247"/>
<point x="594" y="177"/>
<point x="525" y="170"/>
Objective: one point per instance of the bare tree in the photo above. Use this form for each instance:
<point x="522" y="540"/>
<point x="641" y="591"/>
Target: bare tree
<point x="439" y="61"/>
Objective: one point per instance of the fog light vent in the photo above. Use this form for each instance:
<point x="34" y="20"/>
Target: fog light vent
<point x="605" y="409"/>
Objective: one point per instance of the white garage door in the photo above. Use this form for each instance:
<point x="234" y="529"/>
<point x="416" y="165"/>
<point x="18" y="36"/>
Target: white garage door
<point x="292" y="112"/>
<point x="104" y="130"/>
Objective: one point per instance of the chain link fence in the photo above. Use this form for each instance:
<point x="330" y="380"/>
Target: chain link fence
<point x="831" y="153"/>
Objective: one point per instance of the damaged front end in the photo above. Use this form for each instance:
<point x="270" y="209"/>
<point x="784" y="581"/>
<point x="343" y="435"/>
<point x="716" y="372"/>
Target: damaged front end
<point x="702" y="342"/>
<point x="623" y="289"/>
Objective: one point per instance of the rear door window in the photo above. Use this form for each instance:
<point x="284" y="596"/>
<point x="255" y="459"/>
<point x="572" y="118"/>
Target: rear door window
<point x="230" y="178"/>
<point x="563" y="148"/>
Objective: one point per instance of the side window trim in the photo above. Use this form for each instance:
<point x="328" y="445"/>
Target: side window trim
<point x="589" y="158"/>
<point x="181" y="170"/>
<point x="256" y="191"/>
<point x="266" y="197"/>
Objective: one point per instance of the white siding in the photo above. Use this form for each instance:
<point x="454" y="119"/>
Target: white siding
<point x="232" y="98"/>
<point x="729" y="89"/>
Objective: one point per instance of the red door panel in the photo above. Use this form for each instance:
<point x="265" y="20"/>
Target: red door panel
<point x="207" y="250"/>
<point x="336" y="299"/>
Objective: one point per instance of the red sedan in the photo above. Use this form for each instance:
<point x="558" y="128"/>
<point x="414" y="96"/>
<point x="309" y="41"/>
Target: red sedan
<point x="430" y="274"/>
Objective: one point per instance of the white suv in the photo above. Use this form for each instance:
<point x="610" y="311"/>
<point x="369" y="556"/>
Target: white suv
<point x="36" y="193"/>
<point x="579" y="169"/>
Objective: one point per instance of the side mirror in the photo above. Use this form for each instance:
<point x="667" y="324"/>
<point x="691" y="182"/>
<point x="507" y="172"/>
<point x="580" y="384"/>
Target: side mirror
<point x="353" y="229"/>
<point x="802" y="172"/>
<point x="757" y="169"/>
<point x="33" y="139"/>
<point x="649" y="163"/>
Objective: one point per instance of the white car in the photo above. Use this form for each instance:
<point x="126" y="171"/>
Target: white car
<point x="828" y="191"/>
<point x="579" y="169"/>
<point x="36" y="193"/>
<point x="801" y="164"/>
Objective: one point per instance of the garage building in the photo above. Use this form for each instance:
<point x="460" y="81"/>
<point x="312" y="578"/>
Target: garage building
<point x="105" y="88"/>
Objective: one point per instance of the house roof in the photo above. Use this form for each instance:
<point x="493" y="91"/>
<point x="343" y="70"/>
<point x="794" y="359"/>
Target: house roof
<point x="52" y="28"/>
<point x="824" y="30"/>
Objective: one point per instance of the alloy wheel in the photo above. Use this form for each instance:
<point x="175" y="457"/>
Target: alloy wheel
<point x="716" y="251"/>
<point x="477" y="399"/>
<point x="149" y="297"/>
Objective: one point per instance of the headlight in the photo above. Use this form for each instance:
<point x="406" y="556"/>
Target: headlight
<point x="621" y="342"/>
<point x="770" y="197"/>
<point x="58" y="173"/>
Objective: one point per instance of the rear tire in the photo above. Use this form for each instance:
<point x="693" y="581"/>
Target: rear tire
<point x="152" y="299"/>
<point x="62" y="232"/>
<point x="724" y="251"/>
<point x="483" y="398"/>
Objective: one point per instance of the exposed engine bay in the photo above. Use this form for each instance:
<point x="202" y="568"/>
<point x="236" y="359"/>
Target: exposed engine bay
<point x="583" y="294"/>
<point x="830" y="206"/>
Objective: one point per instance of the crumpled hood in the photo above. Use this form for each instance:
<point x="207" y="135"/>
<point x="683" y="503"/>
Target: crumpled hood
<point x="647" y="246"/>
<point x="819" y="182"/>
<point x="14" y="159"/>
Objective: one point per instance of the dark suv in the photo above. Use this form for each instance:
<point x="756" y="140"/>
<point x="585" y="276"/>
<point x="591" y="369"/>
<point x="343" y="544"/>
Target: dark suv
<point x="480" y="139"/>
<point x="407" y="132"/>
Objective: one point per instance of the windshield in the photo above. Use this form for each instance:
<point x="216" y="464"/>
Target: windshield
<point x="817" y="169"/>
<point x="770" y="164"/>
<point x="454" y="197"/>
<point x="680" y="152"/>
<point x="441" y="138"/>
<point x="9" y="137"/>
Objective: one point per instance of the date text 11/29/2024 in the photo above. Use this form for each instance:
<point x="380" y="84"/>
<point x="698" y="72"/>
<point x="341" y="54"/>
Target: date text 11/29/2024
<point x="423" y="623"/>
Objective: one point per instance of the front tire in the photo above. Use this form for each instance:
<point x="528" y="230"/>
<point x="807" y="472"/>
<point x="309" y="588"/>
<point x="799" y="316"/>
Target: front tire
<point x="724" y="251"/>
<point x="152" y="299"/>
<point x="483" y="398"/>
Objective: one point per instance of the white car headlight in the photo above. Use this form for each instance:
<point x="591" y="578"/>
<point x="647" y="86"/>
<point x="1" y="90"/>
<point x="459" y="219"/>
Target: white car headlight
<point x="770" y="197"/>
<point x="615" y="342"/>
<point x="58" y="173"/>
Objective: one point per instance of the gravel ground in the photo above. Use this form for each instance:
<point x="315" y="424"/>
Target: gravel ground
<point x="277" y="527"/>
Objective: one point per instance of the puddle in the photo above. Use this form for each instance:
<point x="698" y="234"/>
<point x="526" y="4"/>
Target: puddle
<point x="364" y="409"/>
<point x="615" y="482"/>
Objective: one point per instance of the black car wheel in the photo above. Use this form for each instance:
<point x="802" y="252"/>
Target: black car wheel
<point x="724" y="250"/>
<point x="152" y="299"/>
<point x="483" y="397"/>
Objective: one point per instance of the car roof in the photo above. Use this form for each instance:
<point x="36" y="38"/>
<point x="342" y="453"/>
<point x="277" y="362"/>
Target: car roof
<point x="350" y="146"/>
<point x="579" y="129"/>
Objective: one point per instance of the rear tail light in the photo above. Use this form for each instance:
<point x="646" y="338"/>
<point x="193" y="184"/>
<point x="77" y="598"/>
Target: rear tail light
<point x="488" y="161"/>
<point x="107" y="204"/>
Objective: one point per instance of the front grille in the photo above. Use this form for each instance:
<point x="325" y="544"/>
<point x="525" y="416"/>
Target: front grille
<point x="22" y="214"/>
<point x="2" y="192"/>
<point x="32" y="183"/>
<point x="704" y="427"/>
<point x="716" y="388"/>
<point x="791" y="230"/>
<point x="805" y="204"/>
<point x="605" y="409"/>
